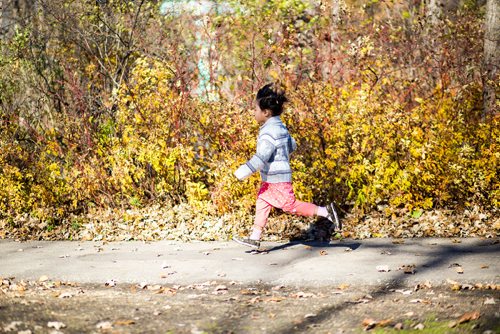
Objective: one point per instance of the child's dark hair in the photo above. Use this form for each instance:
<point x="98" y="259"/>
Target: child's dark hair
<point x="271" y="97"/>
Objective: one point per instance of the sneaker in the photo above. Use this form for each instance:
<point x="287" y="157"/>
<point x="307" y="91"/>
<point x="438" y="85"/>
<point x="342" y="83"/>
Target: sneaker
<point x="333" y="216"/>
<point x="247" y="242"/>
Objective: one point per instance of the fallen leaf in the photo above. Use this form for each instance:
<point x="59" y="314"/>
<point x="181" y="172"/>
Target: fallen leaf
<point x="490" y="301"/>
<point x="419" y="327"/>
<point x="466" y="317"/>
<point x="425" y="285"/>
<point x="398" y="326"/>
<point x="369" y="323"/>
<point x="398" y="241"/>
<point x="104" y="325"/>
<point x="27" y="331"/>
<point x="254" y="300"/>
<point x="12" y="326"/>
<point x="323" y="252"/>
<point x="459" y="270"/>
<point x="167" y="290"/>
<point x="383" y="268"/>
<point x="302" y="294"/>
<point x="384" y="323"/>
<point x="56" y="325"/>
<point x="484" y="266"/>
<point x="65" y="295"/>
<point x="124" y="322"/>
<point x="110" y="283"/>
<point x="43" y="278"/>
<point x="408" y="268"/>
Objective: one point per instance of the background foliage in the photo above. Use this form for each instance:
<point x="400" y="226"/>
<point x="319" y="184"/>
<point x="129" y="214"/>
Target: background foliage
<point x="105" y="128"/>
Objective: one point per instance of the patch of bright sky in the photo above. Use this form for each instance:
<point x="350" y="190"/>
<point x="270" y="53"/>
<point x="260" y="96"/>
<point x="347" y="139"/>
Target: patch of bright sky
<point x="195" y="7"/>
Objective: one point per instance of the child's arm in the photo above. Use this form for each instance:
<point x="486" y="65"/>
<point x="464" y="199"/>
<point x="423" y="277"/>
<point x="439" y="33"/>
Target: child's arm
<point x="265" y="149"/>
<point x="292" y="144"/>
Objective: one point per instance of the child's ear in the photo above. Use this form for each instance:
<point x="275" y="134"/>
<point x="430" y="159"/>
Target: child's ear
<point x="267" y="112"/>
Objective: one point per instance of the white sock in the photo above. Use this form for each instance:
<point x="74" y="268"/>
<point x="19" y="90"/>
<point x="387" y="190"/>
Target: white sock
<point x="322" y="211"/>
<point x="256" y="233"/>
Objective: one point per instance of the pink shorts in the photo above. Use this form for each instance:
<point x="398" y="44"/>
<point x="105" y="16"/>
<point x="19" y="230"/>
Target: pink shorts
<point x="279" y="195"/>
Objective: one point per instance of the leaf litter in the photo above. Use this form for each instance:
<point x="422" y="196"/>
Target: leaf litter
<point x="164" y="307"/>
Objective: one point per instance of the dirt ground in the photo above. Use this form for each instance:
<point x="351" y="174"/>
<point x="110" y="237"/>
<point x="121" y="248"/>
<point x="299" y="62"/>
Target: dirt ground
<point x="230" y="307"/>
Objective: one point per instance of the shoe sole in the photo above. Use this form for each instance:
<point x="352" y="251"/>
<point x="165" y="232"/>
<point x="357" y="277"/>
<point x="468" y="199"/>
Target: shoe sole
<point x="245" y="244"/>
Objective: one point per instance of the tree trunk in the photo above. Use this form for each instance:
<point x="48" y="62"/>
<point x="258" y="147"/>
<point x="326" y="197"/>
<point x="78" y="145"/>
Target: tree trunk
<point x="491" y="57"/>
<point x="1" y="17"/>
<point x="434" y="11"/>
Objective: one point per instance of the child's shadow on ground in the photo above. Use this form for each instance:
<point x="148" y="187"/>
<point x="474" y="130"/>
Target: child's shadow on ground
<point x="318" y="234"/>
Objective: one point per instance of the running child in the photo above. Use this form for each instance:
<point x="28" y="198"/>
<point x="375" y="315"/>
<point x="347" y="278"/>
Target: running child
<point x="272" y="159"/>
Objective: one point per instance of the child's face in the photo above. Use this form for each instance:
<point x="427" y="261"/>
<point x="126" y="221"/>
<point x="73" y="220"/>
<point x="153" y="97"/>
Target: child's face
<point x="261" y="116"/>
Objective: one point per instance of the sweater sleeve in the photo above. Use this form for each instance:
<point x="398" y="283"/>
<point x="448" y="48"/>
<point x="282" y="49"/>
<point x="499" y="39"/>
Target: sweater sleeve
<point x="292" y="144"/>
<point x="265" y="149"/>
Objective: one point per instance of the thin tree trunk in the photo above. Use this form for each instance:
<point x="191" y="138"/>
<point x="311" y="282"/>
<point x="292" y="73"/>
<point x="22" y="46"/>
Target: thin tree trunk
<point x="491" y="57"/>
<point x="434" y="11"/>
<point x="1" y="18"/>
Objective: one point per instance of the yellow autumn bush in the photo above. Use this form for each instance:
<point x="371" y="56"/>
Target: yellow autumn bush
<point x="126" y="130"/>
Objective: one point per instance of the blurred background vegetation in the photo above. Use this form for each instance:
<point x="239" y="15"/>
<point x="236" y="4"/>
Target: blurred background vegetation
<point x="115" y="110"/>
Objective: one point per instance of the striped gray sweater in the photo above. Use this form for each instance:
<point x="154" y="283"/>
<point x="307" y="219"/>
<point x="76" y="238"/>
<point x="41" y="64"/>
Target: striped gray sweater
<point x="272" y="159"/>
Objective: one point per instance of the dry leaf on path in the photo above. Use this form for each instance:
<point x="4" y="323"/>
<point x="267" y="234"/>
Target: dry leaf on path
<point x="302" y="294"/>
<point x="104" y="325"/>
<point x="124" y="322"/>
<point x="383" y="268"/>
<point x="56" y="325"/>
<point x="12" y="326"/>
<point x="111" y="283"/>
<point x="408" y="268"/>
<point x="466" y="317"/>
<point x="369" y="323"/>
<point x="489" y="301"/>
<point x="419" y="327"/>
